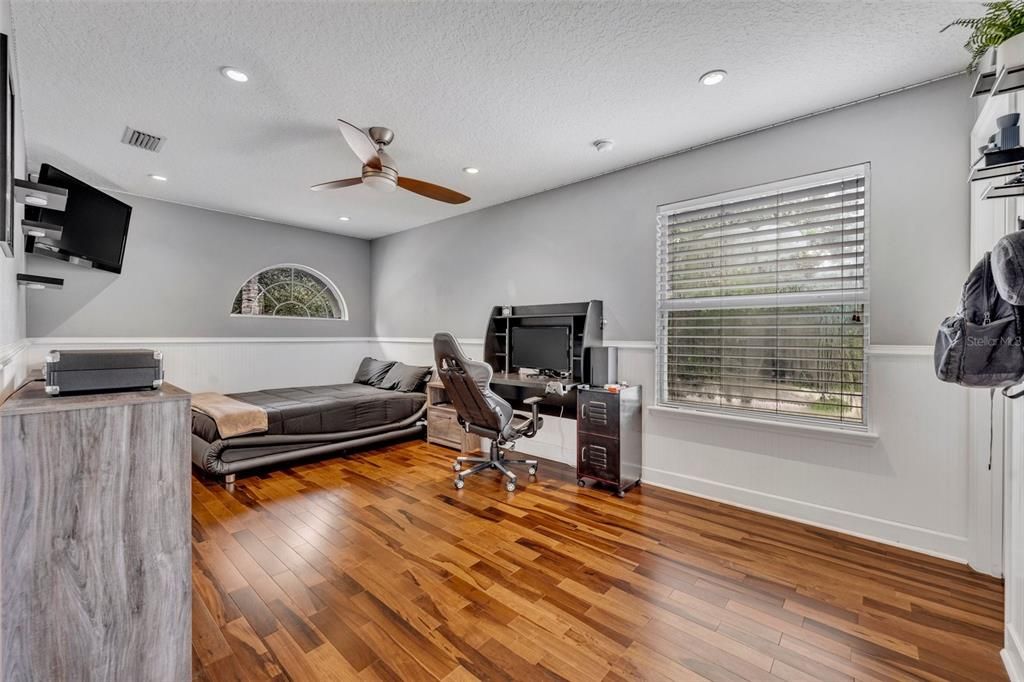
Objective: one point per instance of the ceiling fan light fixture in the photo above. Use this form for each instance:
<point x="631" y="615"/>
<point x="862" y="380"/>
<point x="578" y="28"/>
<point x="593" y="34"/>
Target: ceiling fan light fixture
<point x="713" y="77"/>
<point x="380" y="171"/>
<point x="234" y="74"/>
<point x="379" y="182"/>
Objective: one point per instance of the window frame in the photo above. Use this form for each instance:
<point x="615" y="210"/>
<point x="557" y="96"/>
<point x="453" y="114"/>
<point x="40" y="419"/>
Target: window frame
<point x="863" y="297"/>
<point x="330" y="286"/>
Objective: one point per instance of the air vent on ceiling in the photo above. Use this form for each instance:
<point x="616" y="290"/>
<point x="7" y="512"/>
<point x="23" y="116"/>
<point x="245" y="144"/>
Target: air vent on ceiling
<point x="137" y="138"/>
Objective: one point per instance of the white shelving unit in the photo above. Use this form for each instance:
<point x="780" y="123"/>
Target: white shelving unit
<point x="996" y="519"/>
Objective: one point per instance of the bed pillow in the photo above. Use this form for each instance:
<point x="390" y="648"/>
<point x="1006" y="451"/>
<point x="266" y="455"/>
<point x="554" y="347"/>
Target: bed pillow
<point x="372" y="372"/>
<point x="405" y="378"/>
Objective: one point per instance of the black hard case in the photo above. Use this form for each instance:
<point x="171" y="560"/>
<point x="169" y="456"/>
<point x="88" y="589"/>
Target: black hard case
<point x="97" y="371"/>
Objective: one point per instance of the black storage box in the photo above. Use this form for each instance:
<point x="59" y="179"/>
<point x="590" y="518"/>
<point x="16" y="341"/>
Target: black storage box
<point x="97" y="371"/>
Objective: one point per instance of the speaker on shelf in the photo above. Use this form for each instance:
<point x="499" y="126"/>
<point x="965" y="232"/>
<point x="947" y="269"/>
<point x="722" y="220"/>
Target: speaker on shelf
<point x="600" y="365"/>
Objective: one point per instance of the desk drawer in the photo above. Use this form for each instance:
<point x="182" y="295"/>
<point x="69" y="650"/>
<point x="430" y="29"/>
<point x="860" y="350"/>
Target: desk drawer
<point x="443" y="426"/>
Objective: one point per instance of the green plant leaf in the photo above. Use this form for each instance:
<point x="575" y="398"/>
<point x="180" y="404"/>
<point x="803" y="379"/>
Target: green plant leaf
<point x="1001" y="21"/>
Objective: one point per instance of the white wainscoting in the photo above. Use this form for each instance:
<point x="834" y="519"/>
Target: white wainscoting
<point x="908" y="487"/>
<point x="232" y="365"/>
<point x="13" y="366"/>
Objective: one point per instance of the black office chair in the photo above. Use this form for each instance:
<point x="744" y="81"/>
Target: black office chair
<point x="483" y="412"/>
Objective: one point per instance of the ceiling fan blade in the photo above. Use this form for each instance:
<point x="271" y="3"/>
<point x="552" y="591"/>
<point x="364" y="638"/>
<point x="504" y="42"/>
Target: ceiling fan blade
<point x="337" y="184"/>
<point x="432" y="191"/>
<point x="360" y="143"/>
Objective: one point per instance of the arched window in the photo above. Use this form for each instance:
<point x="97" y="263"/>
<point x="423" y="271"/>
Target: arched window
<point x="290" y="290"/>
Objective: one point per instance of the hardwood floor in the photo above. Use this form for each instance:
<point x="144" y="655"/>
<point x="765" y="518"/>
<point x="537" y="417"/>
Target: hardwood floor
<point x="373" y="567"/>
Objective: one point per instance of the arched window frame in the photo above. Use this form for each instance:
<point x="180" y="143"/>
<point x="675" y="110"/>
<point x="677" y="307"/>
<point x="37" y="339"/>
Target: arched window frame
<point x="330" y="286"/>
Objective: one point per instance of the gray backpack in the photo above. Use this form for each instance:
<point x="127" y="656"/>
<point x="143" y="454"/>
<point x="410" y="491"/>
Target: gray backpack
<point x="980" y="345"/>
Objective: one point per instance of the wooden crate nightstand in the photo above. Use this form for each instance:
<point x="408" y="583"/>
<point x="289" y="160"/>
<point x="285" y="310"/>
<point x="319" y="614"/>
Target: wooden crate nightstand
<point x="443" y="425"/>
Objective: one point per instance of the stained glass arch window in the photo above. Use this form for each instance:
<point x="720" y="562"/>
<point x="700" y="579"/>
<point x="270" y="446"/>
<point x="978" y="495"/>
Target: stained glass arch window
<point x="290" y="290"/>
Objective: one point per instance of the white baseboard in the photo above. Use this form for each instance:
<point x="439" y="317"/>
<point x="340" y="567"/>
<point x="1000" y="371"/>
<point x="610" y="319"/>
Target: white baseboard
<point x="1013" y="655"/>
<point x="924" y="540"/>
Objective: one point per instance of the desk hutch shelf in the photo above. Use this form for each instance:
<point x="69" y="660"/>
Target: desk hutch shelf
<point x="584" y="321"/>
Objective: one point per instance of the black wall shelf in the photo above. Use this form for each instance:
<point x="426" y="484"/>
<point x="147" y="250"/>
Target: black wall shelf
<point x="31" y="228"/>
<point x="35" y="194"/>
<point x="1004" y="191"/>
<point x="998" y="170"/>
<point x="39" y="282"/>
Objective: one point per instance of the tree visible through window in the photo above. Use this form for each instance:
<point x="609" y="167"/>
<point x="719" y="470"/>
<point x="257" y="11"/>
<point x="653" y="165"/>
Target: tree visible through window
<point x="290" y="291"/>
<point x="762" y="303"/>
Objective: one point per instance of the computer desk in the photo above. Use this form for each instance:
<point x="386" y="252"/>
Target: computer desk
<point x="518" y="387"/>
<point x="534" y="381"/>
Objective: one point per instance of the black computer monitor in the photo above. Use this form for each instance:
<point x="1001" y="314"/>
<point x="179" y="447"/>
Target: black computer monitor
<point x="546" y="348"/>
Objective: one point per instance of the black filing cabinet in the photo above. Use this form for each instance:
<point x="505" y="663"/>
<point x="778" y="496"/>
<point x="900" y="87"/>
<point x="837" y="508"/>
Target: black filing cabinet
<point x="609" y="436"/>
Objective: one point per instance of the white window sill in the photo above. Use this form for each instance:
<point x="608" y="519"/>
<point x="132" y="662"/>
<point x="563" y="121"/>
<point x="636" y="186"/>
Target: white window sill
<point x="790" y="428"/>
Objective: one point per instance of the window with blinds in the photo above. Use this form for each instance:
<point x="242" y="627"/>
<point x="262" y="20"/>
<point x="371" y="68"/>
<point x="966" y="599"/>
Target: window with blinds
<point x="762" y="300"/>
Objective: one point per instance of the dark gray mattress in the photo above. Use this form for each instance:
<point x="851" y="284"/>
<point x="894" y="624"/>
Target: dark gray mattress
<point x="321" y="409"/>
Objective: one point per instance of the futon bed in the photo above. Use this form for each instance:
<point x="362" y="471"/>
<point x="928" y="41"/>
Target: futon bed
<point x="316" y="420"/>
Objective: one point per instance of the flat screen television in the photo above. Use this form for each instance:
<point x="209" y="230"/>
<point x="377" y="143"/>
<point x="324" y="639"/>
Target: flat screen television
<point x="95" y="224"/>
<point x="546" y="348"/>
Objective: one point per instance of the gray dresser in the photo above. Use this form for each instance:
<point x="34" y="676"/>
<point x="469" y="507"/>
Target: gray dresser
<point x="95" y="553"/>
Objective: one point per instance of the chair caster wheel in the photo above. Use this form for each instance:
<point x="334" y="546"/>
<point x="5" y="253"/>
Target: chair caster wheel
<point x="620" y="493"/>
<point x="532" y="471"/>
<point x="456" y="467"/>
<point x="510" y="486"/>
<point x="458" y="483"/>
<point x="581" y="483"/>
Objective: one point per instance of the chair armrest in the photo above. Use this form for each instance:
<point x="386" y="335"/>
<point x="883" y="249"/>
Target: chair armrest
<point x="533" y="402"/>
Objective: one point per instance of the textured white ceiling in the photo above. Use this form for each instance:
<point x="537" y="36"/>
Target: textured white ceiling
<point x="517" y="89"/>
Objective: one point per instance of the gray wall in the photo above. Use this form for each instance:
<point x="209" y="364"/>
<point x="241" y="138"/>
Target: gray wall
<point x="182" y="269"/>
<point x="596" y="239"/>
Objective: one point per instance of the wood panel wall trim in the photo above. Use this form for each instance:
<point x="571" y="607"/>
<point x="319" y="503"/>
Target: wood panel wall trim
<point x="874" y="349"/>
<point x="915" y="538"/>
<point x="9" y="352"/>
<point x="188" y="340"/>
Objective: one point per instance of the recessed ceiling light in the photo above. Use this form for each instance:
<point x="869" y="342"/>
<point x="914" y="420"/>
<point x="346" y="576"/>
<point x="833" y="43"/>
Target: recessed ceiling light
<point x="344" y="219"/>
<point x="234" y="74"/>
<point x="470" y="170"/>
<point x="603" y="145"/>
<point x="33" y="200"/>
<point x="158" y="178"/>
<point x="713" y="77"/>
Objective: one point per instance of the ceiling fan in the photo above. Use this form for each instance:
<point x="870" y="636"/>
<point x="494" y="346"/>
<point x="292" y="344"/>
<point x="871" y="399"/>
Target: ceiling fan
<point x="380" y="170"/>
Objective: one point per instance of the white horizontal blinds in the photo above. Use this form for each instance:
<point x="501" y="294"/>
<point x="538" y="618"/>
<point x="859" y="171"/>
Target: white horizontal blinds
<point x="761" y="300"/>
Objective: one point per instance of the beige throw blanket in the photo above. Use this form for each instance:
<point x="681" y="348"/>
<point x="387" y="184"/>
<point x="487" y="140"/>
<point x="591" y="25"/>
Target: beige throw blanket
<point x="233" y="417"/>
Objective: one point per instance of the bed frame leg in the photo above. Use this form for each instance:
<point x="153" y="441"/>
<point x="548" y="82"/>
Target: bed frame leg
<point x="229" y="479"/>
